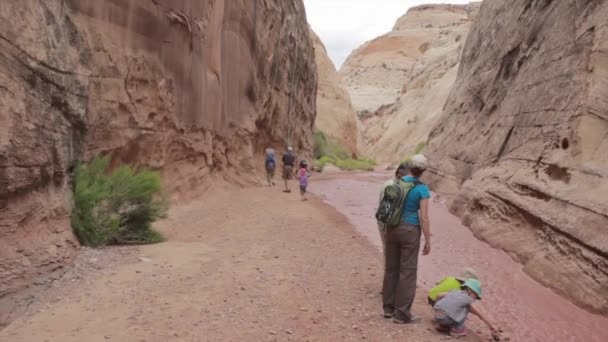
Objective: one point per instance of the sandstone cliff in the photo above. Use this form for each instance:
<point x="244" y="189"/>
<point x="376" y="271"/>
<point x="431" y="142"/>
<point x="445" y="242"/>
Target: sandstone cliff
<point x="400" y="81"/>
<point x="523" y="138"/>
<point x="195" y="89"/>
<point x="336" y="117"/>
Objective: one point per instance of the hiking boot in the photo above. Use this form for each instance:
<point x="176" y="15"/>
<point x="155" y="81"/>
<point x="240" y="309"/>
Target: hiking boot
<point x="442" y="329"/>
<point x="458" y="332"/>
<point x="414" y="319"/>
<point x="388" y="314"/>
<point x="389" y="311"/>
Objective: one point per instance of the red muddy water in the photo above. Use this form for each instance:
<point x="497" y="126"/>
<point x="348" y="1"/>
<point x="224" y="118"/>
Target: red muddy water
<point x="526" y="310"/>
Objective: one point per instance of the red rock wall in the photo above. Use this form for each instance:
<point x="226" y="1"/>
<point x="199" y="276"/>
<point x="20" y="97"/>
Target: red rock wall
<point x="523" y="138"/>
<point x="194" y="88"/>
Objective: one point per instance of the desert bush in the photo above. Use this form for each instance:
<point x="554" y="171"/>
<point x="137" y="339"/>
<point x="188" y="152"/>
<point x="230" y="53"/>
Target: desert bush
<point x="328" y="151"/>
<point x="420" y="147"/>
<point x="319" y="145"/>
<point x="327" y="147"/>
<point x="323" y="161"/>
<point x="356" y="164"/>
<point x="116" y="207"/>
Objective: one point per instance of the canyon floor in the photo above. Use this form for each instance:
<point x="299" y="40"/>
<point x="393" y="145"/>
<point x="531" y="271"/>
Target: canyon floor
<point x="238" y="265"/>
<point x="260" y="265"/>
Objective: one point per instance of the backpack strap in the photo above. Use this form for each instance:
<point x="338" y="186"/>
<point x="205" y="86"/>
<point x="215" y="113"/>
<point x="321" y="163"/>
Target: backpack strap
<point x="415" y="183"/>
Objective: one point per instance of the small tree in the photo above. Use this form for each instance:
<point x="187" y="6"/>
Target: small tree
<point x="116" y="207"/>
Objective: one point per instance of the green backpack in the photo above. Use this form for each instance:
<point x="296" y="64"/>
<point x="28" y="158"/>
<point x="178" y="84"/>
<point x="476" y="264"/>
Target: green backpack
<point x="391" y="206"/>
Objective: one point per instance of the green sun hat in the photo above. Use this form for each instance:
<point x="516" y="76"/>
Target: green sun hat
<point x="474" y="285"/>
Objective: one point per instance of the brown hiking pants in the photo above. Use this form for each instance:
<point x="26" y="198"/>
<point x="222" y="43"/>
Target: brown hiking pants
<point x="401" y="270"/>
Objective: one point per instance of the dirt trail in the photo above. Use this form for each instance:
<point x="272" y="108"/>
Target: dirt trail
<point x="239" y="265"/>
<point x="527" y="310"/>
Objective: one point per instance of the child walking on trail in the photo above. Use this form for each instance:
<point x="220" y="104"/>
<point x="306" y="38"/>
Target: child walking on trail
<point x="303" y="175"/>
<point x="450" y="283"/>
<point x="452" y="308"/>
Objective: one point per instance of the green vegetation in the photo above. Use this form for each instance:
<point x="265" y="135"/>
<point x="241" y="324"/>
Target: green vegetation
<point x="116" y="207"/>
<point x="320" y="163"/>
<point x="324" y="147"/>
<point x="346" y="164"/>
<point x="419" y="148"/>
<point x="356" y="164"/>
<point x="327" y="151"/>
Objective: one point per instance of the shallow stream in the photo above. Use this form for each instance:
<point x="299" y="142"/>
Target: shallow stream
<point x="525" y="309"/>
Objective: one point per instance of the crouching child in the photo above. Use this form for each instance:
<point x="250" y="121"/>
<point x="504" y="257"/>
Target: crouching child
<point x="450" y="283"/>
<point x="452" y="308"/>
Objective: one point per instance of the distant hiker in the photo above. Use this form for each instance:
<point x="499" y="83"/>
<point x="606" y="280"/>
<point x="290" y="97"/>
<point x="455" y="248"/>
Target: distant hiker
<point x="288" y="163"/>
<point x="404" y="210"/>
<point x="303" y="175"/>
<point x="448" y="284"/>
<point x="400" y="172"/>
<point x="453" y="307"/>
<point x="270" y="165"/>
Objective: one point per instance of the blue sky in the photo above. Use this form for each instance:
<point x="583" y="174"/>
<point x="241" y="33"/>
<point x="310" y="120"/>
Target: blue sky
<point x="343" y="25"/>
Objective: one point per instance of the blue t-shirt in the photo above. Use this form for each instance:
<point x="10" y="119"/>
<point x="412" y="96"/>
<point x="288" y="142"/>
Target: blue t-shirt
<point x="412" y="202"/>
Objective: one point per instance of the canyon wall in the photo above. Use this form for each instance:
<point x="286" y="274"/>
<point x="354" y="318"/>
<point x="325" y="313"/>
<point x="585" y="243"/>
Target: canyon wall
<point x="194" y="89"/>
<point x="336" y="117"/>
<point x="523" y="138"/>
<point x="400" y="81"/>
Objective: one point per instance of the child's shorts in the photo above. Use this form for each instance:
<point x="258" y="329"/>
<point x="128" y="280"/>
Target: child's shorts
<point x="302" y="189"/>
<point x="444" y="320"/>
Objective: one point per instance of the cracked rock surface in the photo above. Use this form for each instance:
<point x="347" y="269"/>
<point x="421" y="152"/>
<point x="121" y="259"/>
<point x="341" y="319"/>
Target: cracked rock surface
<point x="194" y="89"/>
<point x="523" y="138"/>
<point x="336" y="117"/>
<point x="410" y="71"/>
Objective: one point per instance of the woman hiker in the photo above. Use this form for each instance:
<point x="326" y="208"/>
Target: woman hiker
<point x="403" y="247"/>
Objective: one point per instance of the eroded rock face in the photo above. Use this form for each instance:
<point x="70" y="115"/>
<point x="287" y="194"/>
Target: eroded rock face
<point x="523" y="139"/>
<point x="336" y="117"/>
<point x="376" y="72"/>
<point x="195" y="89"/>
<point x="438" y="32"/>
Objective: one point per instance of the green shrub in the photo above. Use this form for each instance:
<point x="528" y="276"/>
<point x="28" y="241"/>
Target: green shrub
<point x="116" y="207"/>
<point x="327" y="160"/>
<point x="420" y="147"/>
<point x="319" y="145"/>
<point x="356" y="164"/>
<point x="324" y="146"/>
<point x="318" y="166"/>
<point x="321" y="163"/>
<point x="328" y="151"/>
<point x="346" y="164"/>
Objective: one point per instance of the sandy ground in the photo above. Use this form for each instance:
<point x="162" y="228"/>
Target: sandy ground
<point x="239" y="265"/>
<point x="526" y="310"/>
